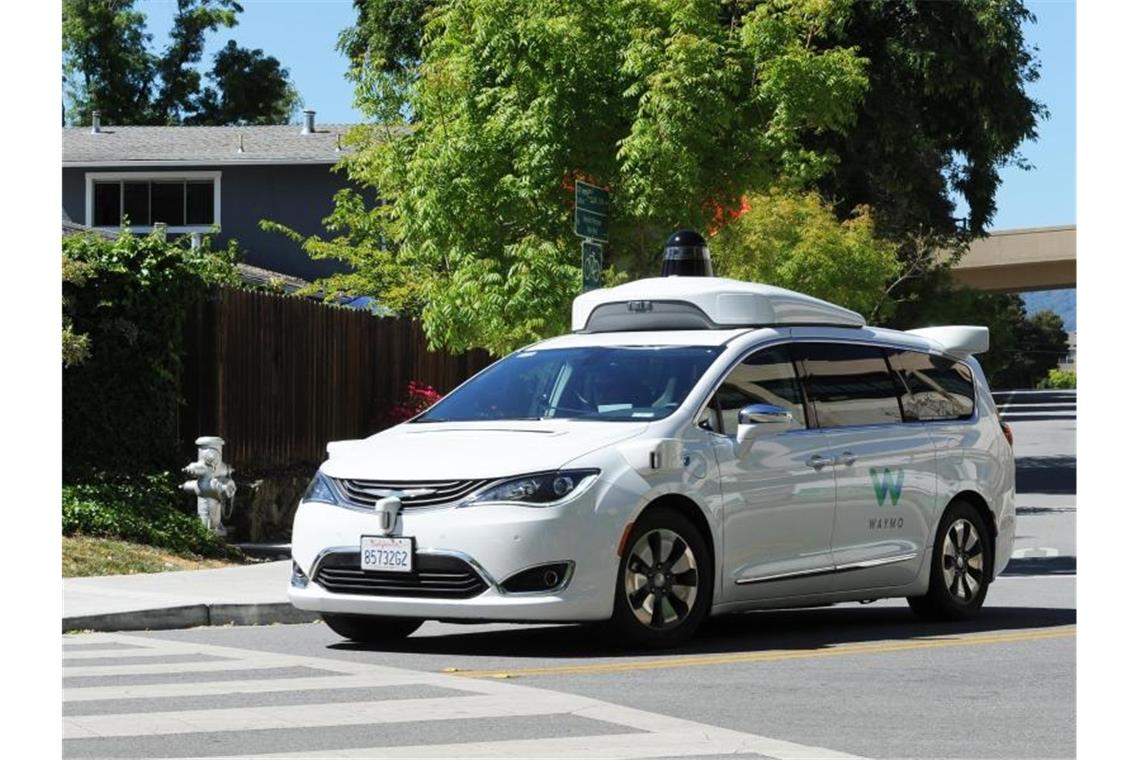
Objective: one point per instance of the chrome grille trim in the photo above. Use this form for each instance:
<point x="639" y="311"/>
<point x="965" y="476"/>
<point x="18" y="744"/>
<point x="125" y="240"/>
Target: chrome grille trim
<point x="365" y="493"/>
<point x="435" y="575"/>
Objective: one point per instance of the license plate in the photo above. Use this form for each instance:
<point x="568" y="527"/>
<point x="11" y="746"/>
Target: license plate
<point x="386" y="553"/>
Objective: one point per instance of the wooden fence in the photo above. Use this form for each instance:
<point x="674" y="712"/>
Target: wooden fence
<point x="278" y="376"/>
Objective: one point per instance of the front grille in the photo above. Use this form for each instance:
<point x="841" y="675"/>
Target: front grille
<point x="365" y="493"/>
<point x="433" y="576"/>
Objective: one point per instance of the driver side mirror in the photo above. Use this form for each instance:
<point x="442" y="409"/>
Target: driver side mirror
<point x="755" y="420"/>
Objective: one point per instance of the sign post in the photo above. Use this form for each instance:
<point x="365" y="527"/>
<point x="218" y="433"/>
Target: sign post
<point x="591" y="222"/>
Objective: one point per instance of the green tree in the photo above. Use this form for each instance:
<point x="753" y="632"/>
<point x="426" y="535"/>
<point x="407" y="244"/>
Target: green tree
<point x="793" y="240"/>
<point x="176" y="69"/>
<point x="677" y="112"/>
<point x="385" y="36"/>
<point x="108" y="66"/>
<point x="248" y="88"/>
<point x="1042" y="343"/>
<point x="945" y="107"/>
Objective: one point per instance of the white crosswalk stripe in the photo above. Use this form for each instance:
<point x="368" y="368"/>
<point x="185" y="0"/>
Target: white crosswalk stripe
<point x="213" y="688"/>
<point x="1030" y="405"/>
<point x="632" y="733"/>
<point x="337" y="714"/>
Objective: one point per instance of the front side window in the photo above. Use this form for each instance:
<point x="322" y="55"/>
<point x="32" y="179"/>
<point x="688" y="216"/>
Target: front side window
<point x="145" y="202"/>
<point x="616" y="383"/>
<point x="848" y="384"/>
<point x="765" y="377"/>
<point x="934" y="387"/>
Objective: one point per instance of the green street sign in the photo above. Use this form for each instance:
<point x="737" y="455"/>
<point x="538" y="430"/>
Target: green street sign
<point x="591" y="211"/>
<point x="590" y="225"/>
<point x="591" y="265"/>
<point x="591" y="198"/>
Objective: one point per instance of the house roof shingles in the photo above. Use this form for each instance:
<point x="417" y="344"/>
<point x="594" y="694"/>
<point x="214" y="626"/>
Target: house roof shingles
<point x="139" y="146"/>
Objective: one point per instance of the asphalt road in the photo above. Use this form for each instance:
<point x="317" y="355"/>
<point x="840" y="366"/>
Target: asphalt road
<point x="1045" y="441"/>
<point x="850" y="680"/>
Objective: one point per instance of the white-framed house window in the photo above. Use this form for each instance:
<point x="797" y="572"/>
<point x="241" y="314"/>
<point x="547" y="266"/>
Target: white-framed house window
<point x="183" y="201"/>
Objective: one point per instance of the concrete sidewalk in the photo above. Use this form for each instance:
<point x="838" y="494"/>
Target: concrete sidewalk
<point x="245" y="595"/>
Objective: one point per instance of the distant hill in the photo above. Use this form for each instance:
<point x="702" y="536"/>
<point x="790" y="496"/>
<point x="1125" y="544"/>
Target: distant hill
<point x="1063" y="303"/>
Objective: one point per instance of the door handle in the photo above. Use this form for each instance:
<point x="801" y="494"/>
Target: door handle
<point x="847" y="458"/>
<point x="816" y="462"/>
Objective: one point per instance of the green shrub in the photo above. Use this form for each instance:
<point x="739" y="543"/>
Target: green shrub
<point x="1059" y="379"/>
<point x="124" y="304"/>
<point x="148" y="509"/>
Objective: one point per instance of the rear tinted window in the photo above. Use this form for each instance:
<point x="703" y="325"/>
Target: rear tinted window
<point x="848" y="384"/>
<point x="934" y="387"/>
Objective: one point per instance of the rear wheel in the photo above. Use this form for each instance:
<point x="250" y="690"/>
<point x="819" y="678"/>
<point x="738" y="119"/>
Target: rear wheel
<point x="371" y="629"/>
<point x="960" y="568"/>
<point x="664" y="583"/>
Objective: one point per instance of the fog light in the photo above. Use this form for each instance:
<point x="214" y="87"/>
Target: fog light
<point x="544" y="578"/>
<point x="298" y="578"/>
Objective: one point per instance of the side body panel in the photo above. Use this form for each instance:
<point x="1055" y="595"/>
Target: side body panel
<point x="886" y="492"/>
<point x="779" y="512"/>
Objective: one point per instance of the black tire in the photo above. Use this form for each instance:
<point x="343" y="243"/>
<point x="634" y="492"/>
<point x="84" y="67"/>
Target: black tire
<point x="669" y="589"/>
<point x="371" y="629"/>
<point x="954" y="570"/>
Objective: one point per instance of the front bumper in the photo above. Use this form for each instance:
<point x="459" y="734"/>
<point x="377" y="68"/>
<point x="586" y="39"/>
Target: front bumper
<point x="497" y="541"/>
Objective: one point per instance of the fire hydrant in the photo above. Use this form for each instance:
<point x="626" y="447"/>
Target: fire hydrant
<point x="212" y="484"/>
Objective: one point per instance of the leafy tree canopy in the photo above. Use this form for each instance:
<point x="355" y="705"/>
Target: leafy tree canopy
<point x="944" y="109"/>
<point x="245" y="82"/>
<point x="108" y="67"/>
<point x="675" y="110"/>
<point x="794" y="241"/>
<point x="486" y="111"/>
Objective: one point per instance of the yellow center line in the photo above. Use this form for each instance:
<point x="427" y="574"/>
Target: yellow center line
<point x="773" y="656"/>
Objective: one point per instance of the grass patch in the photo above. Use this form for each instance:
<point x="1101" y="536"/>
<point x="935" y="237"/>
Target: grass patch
<point x="89" y="555"/>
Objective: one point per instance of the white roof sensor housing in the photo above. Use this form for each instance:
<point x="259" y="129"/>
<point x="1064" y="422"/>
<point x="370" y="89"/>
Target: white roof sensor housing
<point x="701" y="303"/>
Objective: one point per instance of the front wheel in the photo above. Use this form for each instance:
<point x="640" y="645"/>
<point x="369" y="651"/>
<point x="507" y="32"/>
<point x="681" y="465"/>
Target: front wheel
<point x="960" y="567"/>
<point x="371" y="629"/>
<point x="665" y="580"/>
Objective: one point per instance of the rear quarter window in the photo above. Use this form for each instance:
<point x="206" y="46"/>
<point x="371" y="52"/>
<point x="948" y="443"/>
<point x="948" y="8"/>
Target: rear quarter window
<point x="933" y="387"/>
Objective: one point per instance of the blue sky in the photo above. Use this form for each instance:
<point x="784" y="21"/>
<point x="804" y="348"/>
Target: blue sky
<point x="299" y="33"/>
<point x="302" y="35"/>
<point x="1047" y="195"/>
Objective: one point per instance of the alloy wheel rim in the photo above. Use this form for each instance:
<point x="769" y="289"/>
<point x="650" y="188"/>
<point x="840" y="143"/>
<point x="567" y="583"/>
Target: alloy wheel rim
<point x="661" y="579"/>
<point x="963" y="561"/>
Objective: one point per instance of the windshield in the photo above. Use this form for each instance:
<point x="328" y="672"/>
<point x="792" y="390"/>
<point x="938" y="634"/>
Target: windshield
<point x="620" y="383"/>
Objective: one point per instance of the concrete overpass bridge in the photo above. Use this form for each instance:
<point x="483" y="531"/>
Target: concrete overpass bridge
<point x="1011" y="261"/>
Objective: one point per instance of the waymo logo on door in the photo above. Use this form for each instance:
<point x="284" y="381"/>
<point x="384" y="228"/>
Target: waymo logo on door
<point x="887" y="481"/>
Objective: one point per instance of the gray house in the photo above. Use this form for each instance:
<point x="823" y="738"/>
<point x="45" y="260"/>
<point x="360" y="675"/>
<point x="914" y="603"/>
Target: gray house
<point x="195" y="178"/>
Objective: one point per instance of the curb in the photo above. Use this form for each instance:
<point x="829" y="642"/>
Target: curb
<point x="265" y="551"/>
<point x="191" y="616"/>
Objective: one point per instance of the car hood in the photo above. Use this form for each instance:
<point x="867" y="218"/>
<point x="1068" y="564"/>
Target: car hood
<point x="472" y="450"/>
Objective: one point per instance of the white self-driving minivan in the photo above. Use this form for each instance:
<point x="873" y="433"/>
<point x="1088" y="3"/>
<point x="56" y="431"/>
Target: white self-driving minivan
<point x="696" y="446"/>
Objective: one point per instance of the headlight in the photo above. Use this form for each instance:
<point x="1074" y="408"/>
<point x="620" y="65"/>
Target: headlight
<point x="320" y="489"/>
<point x="540" y="489"/>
